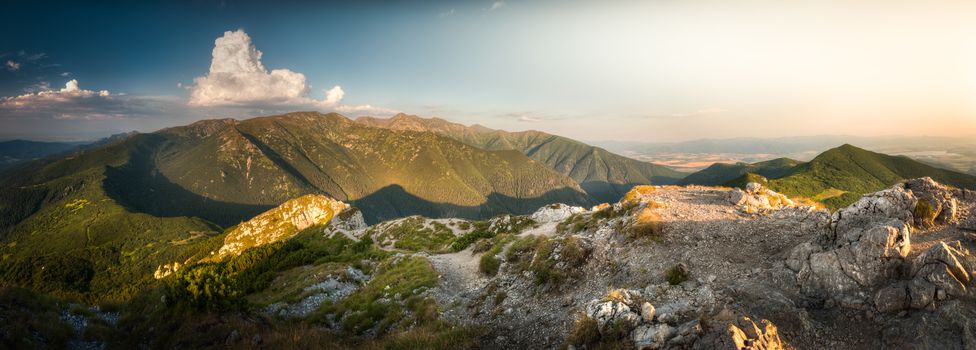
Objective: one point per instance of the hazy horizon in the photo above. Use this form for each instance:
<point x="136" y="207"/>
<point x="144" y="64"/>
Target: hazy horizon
<point x="623" y="71"/>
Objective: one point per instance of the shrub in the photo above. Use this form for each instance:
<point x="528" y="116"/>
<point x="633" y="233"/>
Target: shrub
<point x="637" y="192"/>
<point x="647" y="224"/>
<point x="489" y="264"/>
<point x="465" y="240"/>
<point x="482" y="245"/>
<point x="924" y="213"/>
<point x="574" y="254"/>
<point x="676" y="274"/>
<point x="585" y="333"/>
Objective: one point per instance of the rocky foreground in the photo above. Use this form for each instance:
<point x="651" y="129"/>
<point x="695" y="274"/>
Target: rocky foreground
<point x="747" y="269"/>
<point x="681" y="267"/>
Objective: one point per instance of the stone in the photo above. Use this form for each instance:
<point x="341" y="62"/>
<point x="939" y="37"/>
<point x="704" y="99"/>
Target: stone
<point x="608" y="313"/>
<point x="946" y="266"/>
<point x="892" y="298"/>
<point x="555" y="213"/>
<point x="753" y="188"/>
<point x="674" y="312"/>
<point x="746" y="334"/>
<point x="921" y="293"/>
<point x="280" y="223"/>
<point x="863" y="247"/>
<point x="647" y="312"/>
<point x="652" y="336"/>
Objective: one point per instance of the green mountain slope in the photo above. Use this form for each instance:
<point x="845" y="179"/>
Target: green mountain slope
<point x="106" y="217"/>
<point x="226" y="171"/>
<point x="719" y="173"/>
<point x="854" y="170"/>
<point x="62" y="233"/>
<point x="605" y="176"/>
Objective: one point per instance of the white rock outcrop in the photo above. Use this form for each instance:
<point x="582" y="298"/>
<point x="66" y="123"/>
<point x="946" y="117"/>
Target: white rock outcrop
<point x="282" y="222"/>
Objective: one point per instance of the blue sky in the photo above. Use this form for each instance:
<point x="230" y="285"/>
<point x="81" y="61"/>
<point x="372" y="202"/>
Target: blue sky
<point x="626" y="70"/>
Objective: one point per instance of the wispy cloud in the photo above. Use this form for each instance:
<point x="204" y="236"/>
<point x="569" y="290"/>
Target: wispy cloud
<point x="12" y="66"/>
<point x="534" y="116"/>
<point x="691" y="114"/>
<point x="447" y="13"/>
<point x="497" y="5"/>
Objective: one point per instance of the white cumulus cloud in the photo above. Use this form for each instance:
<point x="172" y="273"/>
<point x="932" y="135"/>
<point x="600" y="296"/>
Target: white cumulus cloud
<point x="75" y="103"/>
<point x="69" y="92"/>
<point x="238" y="78"/>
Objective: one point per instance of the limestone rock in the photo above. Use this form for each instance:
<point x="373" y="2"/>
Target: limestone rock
<point x="616" y="307"/>
<point x="555" y="213"/>
<point x="281" y="223"/>
<point x="939" y="198"/>
<point x="756" y="199"/>
<point x="652" y="336"/>
<point x="921" y="293"/>
<point x="747" y="335"/>
<point x="674" y="312"/>
<point x="862" y="248"/>
<point x="647" y="312"/>
<point x="892" y="298"/>
<point x="947" y="267"/>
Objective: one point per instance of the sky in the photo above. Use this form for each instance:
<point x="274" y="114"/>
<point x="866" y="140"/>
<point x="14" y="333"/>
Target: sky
<point x="652" y="71"/>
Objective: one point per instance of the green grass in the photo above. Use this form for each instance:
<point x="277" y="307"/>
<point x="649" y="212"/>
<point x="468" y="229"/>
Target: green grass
<point x="489" y="261"/>
<point x="392" y="300"/>
<point x="836" y="178"/>
<point x="676" y="274"/>
<point x="535" y="254"/>
<point x="31" y="321"/>
<point x="487" y="229"/>
<point x="417" y="234"/>
<point x="224" y="284"/>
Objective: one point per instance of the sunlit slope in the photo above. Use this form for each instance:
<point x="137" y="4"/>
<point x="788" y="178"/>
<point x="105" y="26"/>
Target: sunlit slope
<point x="605" y="176"/>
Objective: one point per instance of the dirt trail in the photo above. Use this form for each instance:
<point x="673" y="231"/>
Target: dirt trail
<point x="458" y="274"/>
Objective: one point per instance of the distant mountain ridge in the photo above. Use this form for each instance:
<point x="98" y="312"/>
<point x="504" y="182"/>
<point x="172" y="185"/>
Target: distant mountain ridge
<point x="605" y="176"/>
<point x="836" y="177"/>
<point x="722" y="173"/>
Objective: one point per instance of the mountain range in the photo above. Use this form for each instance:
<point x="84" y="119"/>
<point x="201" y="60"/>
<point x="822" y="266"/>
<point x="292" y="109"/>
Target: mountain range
<point x="836" y="177"/>
<point x="605" y="176"/>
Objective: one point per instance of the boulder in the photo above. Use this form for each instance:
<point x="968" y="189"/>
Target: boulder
<point x="892" y="298"/>
<point x="947" y="267"/>
<point x="754" y="188"/>
<point x="755" y="199"/>
<point x="608" y="313"/>
<point x="862" y="249"/>
<point x="652" y="336"/>
<point x="674" y="313"/>
<point x="921" y="293"/>
<point x="555" y="213"/>
<point x="647" y="312"/>
<point x="280" y="223"/>
<point x="747" y="335"/>
<point x="938" y="197"/>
